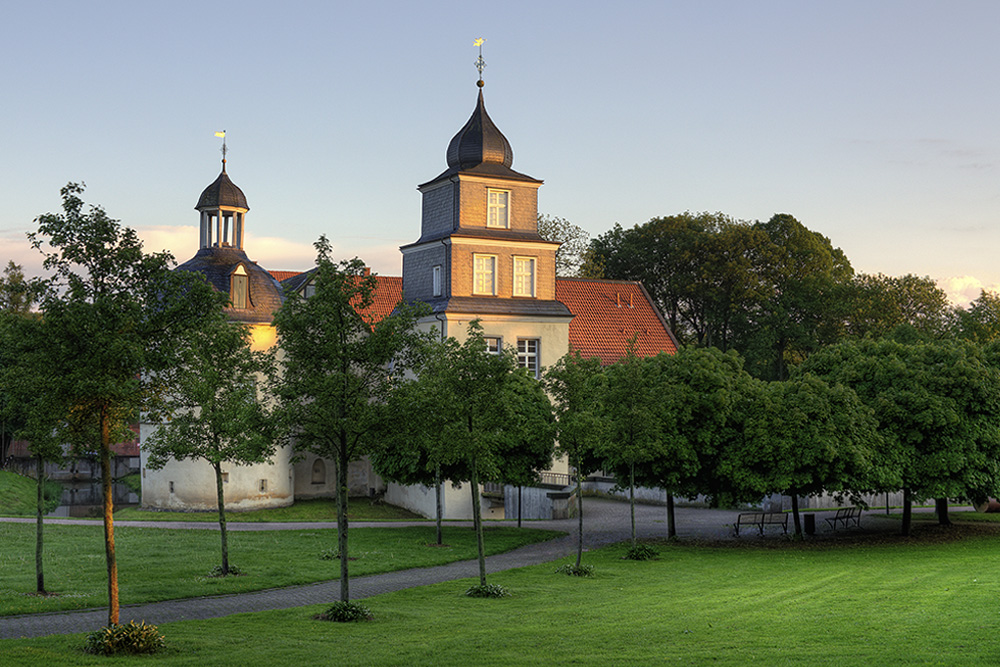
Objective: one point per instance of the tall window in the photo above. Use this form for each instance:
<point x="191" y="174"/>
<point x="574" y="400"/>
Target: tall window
<point x="437" y="280"/>
<point x="240" y="288"/>
<point x="527" y="354"/>
<point x="497" y="210"/>
<point x="485" y="274"/>
<point x="494" y="344"/>
<point x="524" y="276"/>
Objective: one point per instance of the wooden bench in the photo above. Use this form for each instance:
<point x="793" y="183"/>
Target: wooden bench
<point x="846" y="516"/>
<point x="761" y="519"/>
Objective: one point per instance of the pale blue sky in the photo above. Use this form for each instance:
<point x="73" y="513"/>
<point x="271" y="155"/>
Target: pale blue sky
<point x="873" y="122"/>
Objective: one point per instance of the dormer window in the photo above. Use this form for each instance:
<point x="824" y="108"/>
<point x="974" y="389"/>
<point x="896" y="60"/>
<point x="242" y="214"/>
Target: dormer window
<point x="309" y="290"/>
<point x="239" y="289"/>
<point x="497" y="209"/>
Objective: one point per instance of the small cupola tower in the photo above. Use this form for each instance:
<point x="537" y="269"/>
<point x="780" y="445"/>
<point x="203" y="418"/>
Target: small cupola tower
<point x="223" y="208"/>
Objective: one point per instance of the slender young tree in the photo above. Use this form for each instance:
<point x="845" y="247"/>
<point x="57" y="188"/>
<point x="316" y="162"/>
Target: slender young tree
<point x="572" y="384"/>
<point x="338" y="369"/>
<point x="215" y="408"/>
<point x="112" y="317"/>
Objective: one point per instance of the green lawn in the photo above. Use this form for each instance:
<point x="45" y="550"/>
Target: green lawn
<point x="19" y="495"/>
<point x="896" y="602"/>
<point x="324" y="509"/>
<point x="161" y="564"/>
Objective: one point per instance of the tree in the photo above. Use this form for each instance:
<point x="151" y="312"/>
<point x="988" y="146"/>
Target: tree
<point x="112" y="316"/>
<point x="338" y="369"/>
<point x="878" y="304"/>
<point x="980" y="322"/>
<point x="17" y="296"/>
<point x="570" y="256"/>
<point x="214" y="408"/>
<point x="572" y="382"/>
<point x="632" y="435"/>
<point x="936" y="404"/>
<point x="803" y="437"/>
<point x="24" y="404"/>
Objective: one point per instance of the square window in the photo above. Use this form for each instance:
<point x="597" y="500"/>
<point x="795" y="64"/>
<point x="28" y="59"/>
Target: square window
<point x="524" y="276"/>
<point x="484" y="278"/>
<point x="527" y="354"/>
<point x="437" y="281"/>
<point x="497" y="210"/>
<point x="309" y="291"/>
<point x="494" y="344"/>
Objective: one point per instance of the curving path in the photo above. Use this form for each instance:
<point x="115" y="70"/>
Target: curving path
<point x="605" y="522"/>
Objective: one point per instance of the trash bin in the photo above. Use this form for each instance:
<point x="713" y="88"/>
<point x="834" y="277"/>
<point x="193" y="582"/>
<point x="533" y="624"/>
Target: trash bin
<point x="810" y="520"/>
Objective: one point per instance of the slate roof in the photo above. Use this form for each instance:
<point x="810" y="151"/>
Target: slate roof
<point x="222" y="192"/>
<point x="610" y="312"/>
<point x="481" y="148"/>
<point x="217" y="264"/>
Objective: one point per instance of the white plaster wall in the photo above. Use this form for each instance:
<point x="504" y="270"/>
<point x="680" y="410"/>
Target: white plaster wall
<point x="456" y="503"/>
<point x="194" y="483"/>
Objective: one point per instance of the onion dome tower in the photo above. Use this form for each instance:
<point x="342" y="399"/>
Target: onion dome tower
<point x="254" y="295"/>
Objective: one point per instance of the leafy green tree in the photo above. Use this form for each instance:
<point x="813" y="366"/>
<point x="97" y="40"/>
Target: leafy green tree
<point x="980" y="322"/>
<point x="338" y="370"/>
<point x="215" y="410"/>
<point x="572" y="383"/>
<point x="17" y="296"/>
<point x="632" y="434"/>
<point x="571" y="255"/>
<point x="803" y="437"/>
<point x="879" y="304"/>
<point x="112" y="317"/>
<point x="936" y="404"/>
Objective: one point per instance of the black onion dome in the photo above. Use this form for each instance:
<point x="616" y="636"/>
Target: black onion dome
<point x="217" y="265"/>
<point x="479" y="141"/>
<point x="222" y="192"/>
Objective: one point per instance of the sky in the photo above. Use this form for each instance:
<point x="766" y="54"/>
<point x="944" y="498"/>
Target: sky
<point x="874" y="123"/>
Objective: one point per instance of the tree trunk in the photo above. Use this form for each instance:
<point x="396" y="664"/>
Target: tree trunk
<point x="579" y="516"/>
<point x="477" y="521"/>
<point x="519" y="488"/>
<point x="437" y="502"/>
<point x="39" y="526"/>
<point x="671" y="522"/>
<point x="109" y="519"/>
<point x="342" y="464"/>
<point x="941" y="507"/>
<point x="222" y="518"/>
<point x="795" y="514"/>
<point x="907" y="512"/>
<point x="631" y="498"/>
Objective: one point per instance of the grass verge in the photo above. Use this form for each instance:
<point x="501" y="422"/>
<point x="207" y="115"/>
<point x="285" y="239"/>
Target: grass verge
<point x="19" y="495"/>
<point x="321" y="509"/>
<point x="900" y="602"/>
<point x="159" y="564"/>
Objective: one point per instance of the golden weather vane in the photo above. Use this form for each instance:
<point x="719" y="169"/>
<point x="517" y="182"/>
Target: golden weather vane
<point x="480" y="63"/>
<point x="222" y="135"/>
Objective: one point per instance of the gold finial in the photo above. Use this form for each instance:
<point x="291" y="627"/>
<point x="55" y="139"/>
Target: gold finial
<point x="223" y="136"/>
<point x="480" y="63"/>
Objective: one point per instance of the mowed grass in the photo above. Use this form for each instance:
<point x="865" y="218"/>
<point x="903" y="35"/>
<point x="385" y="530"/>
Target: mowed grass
<point x="899" y="602"/>
<point x="19" y="495"/>
<point x="161" y="564"/>
<point x="323" y="509"/>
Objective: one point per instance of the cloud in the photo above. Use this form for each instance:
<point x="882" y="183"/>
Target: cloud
<point x="962" y="290"/>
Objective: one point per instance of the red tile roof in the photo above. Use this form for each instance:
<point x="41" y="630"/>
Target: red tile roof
<point x="281" y="275"/>
<point x="388" y="293"/>
<point x="607" y="313"/>
<point x="21" y="448"/>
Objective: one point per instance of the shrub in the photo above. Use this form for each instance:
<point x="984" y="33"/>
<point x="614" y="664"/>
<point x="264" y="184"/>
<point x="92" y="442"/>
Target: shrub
<point x="329" y="554"/>
<point x="487" y="591"/>
<point x="346" y="612"/>
<point x="131" y="638"/>
<point x="640" y="552"/>
<point x="572" y="570"/>
<point x="233" y="571"/>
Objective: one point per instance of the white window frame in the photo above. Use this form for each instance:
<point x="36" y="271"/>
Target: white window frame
<point x="309" y="290"/>
<point x="436" y="281"/>
<point x="494" y="344"/>
<point x="498" y="208"/>
<point x="524" y="287"/>
<point x="479" y="273"/>
<point x="528" y="352"/>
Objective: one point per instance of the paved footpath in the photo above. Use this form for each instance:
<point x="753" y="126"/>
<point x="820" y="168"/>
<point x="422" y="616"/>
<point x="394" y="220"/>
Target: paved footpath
<point x="605" y="522"/>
